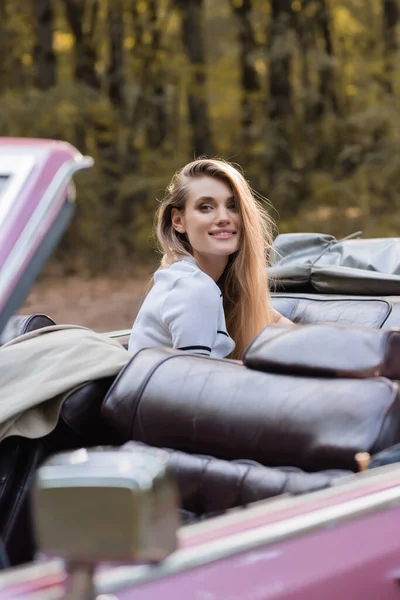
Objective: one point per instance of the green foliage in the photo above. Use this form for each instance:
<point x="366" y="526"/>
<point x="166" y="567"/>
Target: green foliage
<point x="304" y="97"/>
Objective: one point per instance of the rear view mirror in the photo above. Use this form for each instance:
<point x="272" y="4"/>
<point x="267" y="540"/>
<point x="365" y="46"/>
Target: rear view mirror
<point x="106" y="505"/>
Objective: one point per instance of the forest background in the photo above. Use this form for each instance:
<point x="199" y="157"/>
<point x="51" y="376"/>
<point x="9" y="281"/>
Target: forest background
<point x="303" y="94"/>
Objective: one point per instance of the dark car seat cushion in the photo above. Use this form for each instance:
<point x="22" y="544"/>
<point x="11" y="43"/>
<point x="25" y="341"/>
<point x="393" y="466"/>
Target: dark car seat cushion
<point x="211" y="485"/>
<point x="326" y="349"/>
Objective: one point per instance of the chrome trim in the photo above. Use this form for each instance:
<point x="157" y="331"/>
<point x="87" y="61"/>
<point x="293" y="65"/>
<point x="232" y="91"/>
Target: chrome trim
<point x="28" y="237"/>
<point x="118" y="334"/>
<point x="18" y="575"/>
<point x="196" y="556"/>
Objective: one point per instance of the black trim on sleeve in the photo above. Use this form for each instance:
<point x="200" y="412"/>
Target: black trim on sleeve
<point x="195" y="348"/>
<point x="223" y="333"/>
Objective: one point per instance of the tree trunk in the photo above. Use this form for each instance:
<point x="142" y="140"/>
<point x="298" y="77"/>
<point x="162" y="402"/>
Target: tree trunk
<point x="280" y="59"/>
<point x="391" y="46"/>
<point x="192" y="15"/>
<point x="250" y="81"/>
<point x="280" y="89"/>
<point x="4" y="41"/>
<point x="115" y="70"/>
<point x="390" y="21"/>
<point x="158" y="119"/>
<point x="327" y="87"/>
<point x="85" y="59"/>
<point x="313" y="31"/>
<point x="44" y="56"/>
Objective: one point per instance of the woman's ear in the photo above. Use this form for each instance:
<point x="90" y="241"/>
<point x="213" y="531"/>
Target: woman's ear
<point x="177" y="220"/>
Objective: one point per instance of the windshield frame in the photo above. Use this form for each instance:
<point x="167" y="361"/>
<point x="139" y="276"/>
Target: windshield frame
<point x="17" y="168"/>
<point x="36" y="207"/>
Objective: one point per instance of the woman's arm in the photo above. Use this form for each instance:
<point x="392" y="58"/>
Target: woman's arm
<point x="190" y="312"/>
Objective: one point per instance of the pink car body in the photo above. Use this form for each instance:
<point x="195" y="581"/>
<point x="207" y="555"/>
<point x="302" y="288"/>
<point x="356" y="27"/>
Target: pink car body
<point x="343" y="542"/>
<point x="338" y="543"/>
<point x="35" y="207"/>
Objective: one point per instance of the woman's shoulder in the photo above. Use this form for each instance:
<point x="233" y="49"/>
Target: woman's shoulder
<point x="186" y="280"/>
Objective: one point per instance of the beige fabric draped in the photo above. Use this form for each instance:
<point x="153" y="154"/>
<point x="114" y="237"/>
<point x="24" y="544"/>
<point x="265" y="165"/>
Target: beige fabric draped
<point x="38" y="370"/>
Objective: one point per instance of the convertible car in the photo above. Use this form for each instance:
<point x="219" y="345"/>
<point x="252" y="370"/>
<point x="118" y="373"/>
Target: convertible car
<point x="185" y="476"/>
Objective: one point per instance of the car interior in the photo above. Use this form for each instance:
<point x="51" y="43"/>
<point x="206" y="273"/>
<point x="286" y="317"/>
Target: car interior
<point x="234" y="433"/>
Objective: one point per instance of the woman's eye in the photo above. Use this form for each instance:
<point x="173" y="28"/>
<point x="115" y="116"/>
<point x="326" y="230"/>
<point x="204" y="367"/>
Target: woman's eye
<point x="205" y="207"/>
<point x="233" y="207"/>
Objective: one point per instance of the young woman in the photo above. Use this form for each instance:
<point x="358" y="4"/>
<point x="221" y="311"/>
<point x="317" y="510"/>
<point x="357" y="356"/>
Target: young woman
<point x="210" y="295"/>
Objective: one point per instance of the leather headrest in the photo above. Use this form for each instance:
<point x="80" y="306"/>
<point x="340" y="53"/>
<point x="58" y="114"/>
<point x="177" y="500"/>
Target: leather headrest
<point x="20" y="324"/>
<point x="326" y="350"/>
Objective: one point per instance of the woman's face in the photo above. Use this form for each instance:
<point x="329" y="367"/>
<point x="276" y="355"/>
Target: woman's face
<point x="210" y="220"/>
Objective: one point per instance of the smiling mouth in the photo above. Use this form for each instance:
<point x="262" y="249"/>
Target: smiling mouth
<point x="223" y="234"/>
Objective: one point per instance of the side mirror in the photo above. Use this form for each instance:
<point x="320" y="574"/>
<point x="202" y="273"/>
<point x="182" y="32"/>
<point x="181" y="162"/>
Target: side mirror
<point x="106" y="505"/>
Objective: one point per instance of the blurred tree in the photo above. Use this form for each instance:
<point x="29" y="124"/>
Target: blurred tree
<point x="313" y="28"/>
<point x="82" y="17"/>
<point x="280" y="59"/>
<point x="192" y="17"/>
<point x="390" y="19"/>
<point x="391" y="15"/>
<point x="44" y="56"/>
<point x="304" y="94"/>
<point x="116" y="64"/>
<point x="326" y="71"/>
<point x="280" y="105"/>
<point x="157" y="128"/>
<point x="249" y="77"/>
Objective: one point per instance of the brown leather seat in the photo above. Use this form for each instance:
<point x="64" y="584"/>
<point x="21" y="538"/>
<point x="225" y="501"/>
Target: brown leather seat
<point x="80" y="424"/>
<point x="198" y="404"/>
<point x="208" y="485"/>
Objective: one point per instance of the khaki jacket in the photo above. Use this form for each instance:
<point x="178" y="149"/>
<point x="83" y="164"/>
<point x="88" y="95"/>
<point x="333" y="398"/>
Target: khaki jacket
<point x="38" y="370"/>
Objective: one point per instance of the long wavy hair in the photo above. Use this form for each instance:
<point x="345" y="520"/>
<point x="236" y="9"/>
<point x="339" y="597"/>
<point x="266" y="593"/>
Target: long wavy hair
<point x="244" y="283"/>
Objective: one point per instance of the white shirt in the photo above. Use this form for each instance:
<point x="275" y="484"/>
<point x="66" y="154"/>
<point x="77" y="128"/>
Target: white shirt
<point x="183" y="310"/>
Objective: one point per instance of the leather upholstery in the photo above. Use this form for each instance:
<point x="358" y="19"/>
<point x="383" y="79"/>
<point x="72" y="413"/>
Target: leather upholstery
<point x="222" y="408"/>
<point x="331" y="350"/>
<point x="80" y="424"/>
<point x="20" y="324"/>
<point x="210" y="485"/>
<point x="378" y="312"/>
<point x="19" y="459"/>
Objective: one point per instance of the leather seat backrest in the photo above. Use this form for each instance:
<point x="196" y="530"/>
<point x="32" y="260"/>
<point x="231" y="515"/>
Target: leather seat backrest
<point x="219" y="407"/>
<point x="20" y="324"/>
<point x="317" y="308"/>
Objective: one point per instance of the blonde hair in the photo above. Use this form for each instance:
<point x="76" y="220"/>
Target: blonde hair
<point x="244" y="283"/>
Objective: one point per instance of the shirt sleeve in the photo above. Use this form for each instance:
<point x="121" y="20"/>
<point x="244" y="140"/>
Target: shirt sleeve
<point x="191" y="314"/>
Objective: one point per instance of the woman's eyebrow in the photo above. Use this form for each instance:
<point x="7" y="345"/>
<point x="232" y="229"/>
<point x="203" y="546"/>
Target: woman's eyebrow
<point x="205" y="199"/>
<point x="211" y="199"/>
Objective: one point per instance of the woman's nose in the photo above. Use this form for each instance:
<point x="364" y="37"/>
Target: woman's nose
<point x="223" y="216"/>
